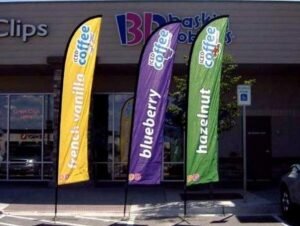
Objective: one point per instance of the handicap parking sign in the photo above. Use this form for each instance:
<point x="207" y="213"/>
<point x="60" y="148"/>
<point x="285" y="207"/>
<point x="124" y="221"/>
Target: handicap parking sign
<point x="244" y="95"/>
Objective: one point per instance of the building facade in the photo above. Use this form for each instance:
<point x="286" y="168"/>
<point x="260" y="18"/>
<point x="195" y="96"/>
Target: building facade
<point x="263" y="38"/>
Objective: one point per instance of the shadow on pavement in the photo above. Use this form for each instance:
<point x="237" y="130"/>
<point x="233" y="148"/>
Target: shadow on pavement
<point x="256" y="219"/>
<point x="211" y="196"/>
<point x="145" y="200"/>
<point x="224" y="220"/>
<point x="293" y="220"/>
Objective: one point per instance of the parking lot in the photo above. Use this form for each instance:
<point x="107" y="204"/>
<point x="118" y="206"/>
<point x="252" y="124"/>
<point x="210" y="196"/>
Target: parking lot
<point x="270" y="220"/>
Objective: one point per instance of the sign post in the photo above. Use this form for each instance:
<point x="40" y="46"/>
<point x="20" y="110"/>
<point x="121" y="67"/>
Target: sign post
<point x="244" y="99"/>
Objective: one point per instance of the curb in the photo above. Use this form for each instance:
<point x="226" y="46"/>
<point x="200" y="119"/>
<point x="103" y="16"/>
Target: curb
<point x="160" y="210"/>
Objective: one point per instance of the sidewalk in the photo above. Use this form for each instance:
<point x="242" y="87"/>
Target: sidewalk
<point x="142" y="201"/>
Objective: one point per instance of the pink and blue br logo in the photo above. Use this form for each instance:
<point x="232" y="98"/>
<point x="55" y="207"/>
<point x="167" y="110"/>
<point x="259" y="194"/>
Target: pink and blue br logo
<point x="133" y="29"/>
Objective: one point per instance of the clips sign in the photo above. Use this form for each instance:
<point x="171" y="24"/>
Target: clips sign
<point x="16" y="28"/>
<point x="135" y="29"/>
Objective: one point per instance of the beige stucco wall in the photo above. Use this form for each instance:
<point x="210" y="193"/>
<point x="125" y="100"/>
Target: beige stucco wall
<point x="263" y="32"/>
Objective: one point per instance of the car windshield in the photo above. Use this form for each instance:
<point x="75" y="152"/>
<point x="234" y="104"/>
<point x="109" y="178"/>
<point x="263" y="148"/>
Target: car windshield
<point x="23" y="154"/>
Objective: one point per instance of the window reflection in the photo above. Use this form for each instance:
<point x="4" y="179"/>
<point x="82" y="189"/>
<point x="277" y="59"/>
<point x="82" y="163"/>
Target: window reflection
<point x="25" y="137"/>
<point x="173" y="153"/>
<point x="26" y="112"/>
<point x="27" y="151"/>
<point x="3" y="135"/>
<point x="173" y="144"/>
<point x="102" y="118"/>
<point x="47" y="169"/>
<point x="122" y="116"/>
<point x="26" y="146"/>
<point x="111" y="123"/>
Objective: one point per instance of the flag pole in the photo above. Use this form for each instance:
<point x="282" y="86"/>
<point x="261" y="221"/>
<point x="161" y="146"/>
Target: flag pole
<point x="128" y="154"/>
<point x="196" y="67"/>
<point x="185" y="180"/>
<point x="56" y="200"/>
<point x="184" y="210"/>
<point x="158" y="86"/>
<point x="185" y="129"/>
<point x="125" y="199"/>
<point x="61" y="75"/>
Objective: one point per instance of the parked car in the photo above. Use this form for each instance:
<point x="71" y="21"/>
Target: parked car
<point x="290" y="191"/>
<point x="21" y="164"/>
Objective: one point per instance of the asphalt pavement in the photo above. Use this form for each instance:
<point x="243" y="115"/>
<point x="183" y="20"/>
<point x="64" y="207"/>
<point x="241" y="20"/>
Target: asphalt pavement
<point x="158" y="201"/>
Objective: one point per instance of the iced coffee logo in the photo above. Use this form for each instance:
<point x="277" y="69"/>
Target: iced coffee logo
<point x="16" y="28"/>
<point x="161" y="50"/>
<point x="84" y="46"/>
<point x="211" y="47"/>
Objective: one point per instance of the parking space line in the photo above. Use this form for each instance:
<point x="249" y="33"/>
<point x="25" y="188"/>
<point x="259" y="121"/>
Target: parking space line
<point x="95" y="218"/>
<point x="129" y="222"/>
<point x="41" y="220"/>
<point x="280" y="220"/>
<point x="7" y="224"/>
<point x="62" y="223"/>
<point x="20" y="217"/>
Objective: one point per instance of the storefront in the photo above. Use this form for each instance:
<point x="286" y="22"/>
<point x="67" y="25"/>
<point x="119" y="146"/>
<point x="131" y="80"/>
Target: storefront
<point x="262" y="38"/>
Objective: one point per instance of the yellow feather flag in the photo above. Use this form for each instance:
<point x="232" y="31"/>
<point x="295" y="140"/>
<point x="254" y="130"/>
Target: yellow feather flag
<point x="75" y="102"/>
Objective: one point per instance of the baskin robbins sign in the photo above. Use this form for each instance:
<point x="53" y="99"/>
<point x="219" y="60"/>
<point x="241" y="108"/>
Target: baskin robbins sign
<point x="134" y="28"/>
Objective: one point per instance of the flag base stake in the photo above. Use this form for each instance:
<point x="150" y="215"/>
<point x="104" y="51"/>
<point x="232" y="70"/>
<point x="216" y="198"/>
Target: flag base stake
<point x="184" y="208"/>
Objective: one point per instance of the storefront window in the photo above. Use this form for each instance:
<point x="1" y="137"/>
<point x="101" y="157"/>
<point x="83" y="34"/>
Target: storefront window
<point x="122" y="126"/>
<point x="47" y="167"/>
<point x="102" y="136"/>
<point x="3" y="136"/>
<point x="25" y="136"/>
<point x="111" y="129"/>
<point x="173" y="153"/>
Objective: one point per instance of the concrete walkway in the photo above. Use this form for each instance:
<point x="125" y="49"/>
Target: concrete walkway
<point x="141" y="201"/>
